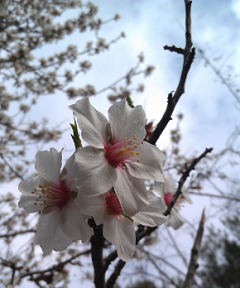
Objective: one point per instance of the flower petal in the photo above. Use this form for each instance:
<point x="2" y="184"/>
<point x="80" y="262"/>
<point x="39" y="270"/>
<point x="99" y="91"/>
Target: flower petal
<point x="94" y="175"/>
<point x="169" y="186"/>
<point x="28" y="198"/>
<point x="94" y="206"/>
<point x="49" y="234"/>
<point x="131" y="192"/>
<point x="93" y="124"/>
<point x="48" y="164"/>
<point x="120" y="232"/>
<point x="175" y="219"/>
<point x="150" y="163"/>
<point x="73" y="223"/>
<point x="152" y="215"/>
<point x="158" y="188"/>
<point x="60" y="240"/>
<point x="126" y="121"/>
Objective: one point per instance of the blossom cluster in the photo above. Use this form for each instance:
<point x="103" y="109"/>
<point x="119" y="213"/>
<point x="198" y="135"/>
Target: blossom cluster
<point x="104" y="180"/>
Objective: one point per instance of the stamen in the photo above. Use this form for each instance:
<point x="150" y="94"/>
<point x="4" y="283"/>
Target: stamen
<point x="121" y="151"/>
<point x="52" y="194"/>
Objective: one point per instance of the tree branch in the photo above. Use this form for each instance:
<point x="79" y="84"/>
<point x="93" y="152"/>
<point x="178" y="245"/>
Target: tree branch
<point x="17" y="233"/>
<point x="182" y="180"/>
<point x="187" y="61"/>
<point x="97" y="242"/>
<point x="112" y="279"/>
<point x="193" y="265"/>
<point x="57" y="266"/>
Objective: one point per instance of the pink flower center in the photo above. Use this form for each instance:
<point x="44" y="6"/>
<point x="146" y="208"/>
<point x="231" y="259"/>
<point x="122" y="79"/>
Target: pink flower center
<point x="53" y="195"/>
<point x="112" y="204"/>
<point x="121" y="151"/>
<point x="167" y="198"/>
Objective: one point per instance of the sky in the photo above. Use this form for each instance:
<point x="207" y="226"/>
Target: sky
<point x="210" y="113"/>
<point x="207" y="105"/>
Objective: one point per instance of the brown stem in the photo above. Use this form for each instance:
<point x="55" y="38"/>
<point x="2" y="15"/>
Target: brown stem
<point x="187" y="61"/>
<point x="193" y="265"/>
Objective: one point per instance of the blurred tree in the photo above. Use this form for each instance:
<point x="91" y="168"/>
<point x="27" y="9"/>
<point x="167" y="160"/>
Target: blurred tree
<point x="221" y="255"/>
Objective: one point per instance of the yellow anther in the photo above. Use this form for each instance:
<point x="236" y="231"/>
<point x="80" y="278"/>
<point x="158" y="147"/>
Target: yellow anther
<point x="34" y="203"/>
<point x="135" y="146"/>
<point x="142" y="142"/>
<point x="32" y="192"/>
<point x="40" y="186"/>
<point x="137" y="153"/>
<point x="37" y="199"/>
<point x="49" y="183"/>
<point x="138" y="161"/>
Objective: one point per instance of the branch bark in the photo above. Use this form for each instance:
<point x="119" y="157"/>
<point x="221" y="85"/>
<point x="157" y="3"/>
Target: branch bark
<point x="187" y="61"/>
<point x="97" y="242"/>
<point x="193" y="265"/>
<point x="182" y="180"/>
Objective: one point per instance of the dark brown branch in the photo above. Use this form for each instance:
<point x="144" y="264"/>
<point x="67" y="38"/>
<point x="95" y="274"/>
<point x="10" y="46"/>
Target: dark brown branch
<point x="109" y="259"/>
<point x="56" y="267"/>
<point x="183" y="178"/>
<point x="97" y="242"/>
<point x="143" y="233"/>
<point x="17" y="233"/>
<point x="187" y="61"/>
<point x="112" y="279"/>
<point x="193" y="265"/>
<point x="173" y="48"/>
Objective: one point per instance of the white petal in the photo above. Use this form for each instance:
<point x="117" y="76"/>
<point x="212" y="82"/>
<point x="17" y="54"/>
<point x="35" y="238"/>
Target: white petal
<point x="93" y="206"/>
<point x="94" y="175"/>
<point x="152" y="215"/>
<point x="169" y="186"/>
<point x="67" y="167"/>
<point x="175" y="219"/>
<point x="49" y="234"/>
<point x="120" y="232"/>
<point x="48" y="164"/>
<point x="26" y="202"/>
<point x="93" y="124"/>
<point x="158" y="188"/>
<point x="60" y="240"/>
<point x="73" y="223"/>
<point x="150" y="163"/>
<point x="131" y="192"/>
<point x="28" y="198"/>
<point x="27" y="186"/>
<point x="126" y="121"/>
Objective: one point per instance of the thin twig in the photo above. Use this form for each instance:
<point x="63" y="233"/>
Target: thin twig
<point x="193" y="265"/>
<point x="17" y="233"/>
<point x="57" y="266"/>
<point x="189" y="54"/>
<point x="215" y="196"/>
<point x="109" y="259"/>
<point x="112" y="279"/>
<point x="176" y="247"/>
<point x="184" y="176"/>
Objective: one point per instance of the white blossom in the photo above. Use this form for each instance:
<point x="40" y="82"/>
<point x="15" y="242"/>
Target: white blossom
<point x="54" y="194"/>
<point x="117" y="156"/>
